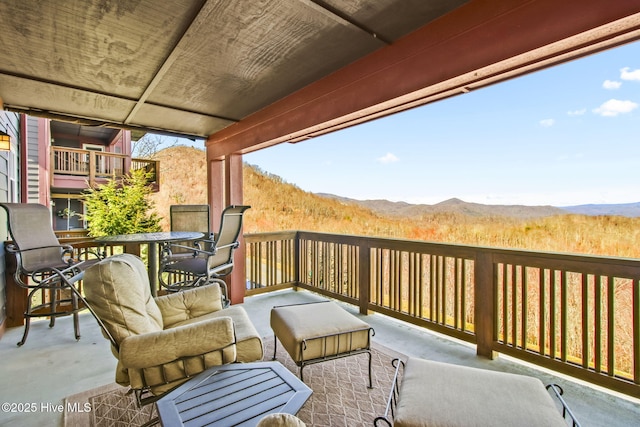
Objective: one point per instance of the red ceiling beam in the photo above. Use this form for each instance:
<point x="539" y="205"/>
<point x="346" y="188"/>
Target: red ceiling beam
<point x="428" y="64"/>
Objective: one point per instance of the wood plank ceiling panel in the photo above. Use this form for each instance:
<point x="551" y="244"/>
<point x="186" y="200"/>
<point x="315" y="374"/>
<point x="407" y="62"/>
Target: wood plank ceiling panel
<point x="103" y="47"/>
<point x="249" y="54"/>
<point x="390" y="19"/>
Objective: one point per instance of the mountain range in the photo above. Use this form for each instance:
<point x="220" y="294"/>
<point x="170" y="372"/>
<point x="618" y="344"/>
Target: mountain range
<point x="404" y="209"/>
<point x="620" y="209"/>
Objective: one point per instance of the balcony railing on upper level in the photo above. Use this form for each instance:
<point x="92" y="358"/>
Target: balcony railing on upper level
<point x="94" y="165"/>
<point x="579" y="315"/>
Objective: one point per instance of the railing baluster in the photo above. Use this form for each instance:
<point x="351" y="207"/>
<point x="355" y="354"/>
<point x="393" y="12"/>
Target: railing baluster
<point x="585" y="321"/>
<point x="552" y="313"/>
<point x="597" y="323"/>
<point x="636" y="328"/>
<point x="525" y="308"/>
<point x="564" y="313"/>
<point x="611" y="323"/>
<point x="542" y="318"/>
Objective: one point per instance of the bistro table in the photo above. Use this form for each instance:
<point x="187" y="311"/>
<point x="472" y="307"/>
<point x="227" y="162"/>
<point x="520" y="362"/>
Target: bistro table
<point x="152" y="239"/>
<point x="233" y="395"/>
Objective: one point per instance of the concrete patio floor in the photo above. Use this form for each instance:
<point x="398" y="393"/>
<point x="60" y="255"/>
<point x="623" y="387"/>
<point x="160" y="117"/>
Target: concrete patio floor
<point x="52" y="364"/>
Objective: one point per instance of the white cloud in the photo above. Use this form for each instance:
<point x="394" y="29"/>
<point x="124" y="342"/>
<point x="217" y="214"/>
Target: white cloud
<point x="627" y="74"/>
<point x="547" y="123"/>
<point x="611" y="84"/>
<point x="577" y="112"/>
<point x="388" y="158"/>
<point x="613" y="107"/>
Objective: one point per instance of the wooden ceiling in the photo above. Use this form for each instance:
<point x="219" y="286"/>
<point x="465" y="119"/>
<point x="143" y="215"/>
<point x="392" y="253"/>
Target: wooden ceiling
<point x="249" y="74"/>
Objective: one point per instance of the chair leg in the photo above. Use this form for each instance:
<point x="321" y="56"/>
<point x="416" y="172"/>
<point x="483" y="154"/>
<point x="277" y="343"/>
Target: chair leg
<point x="76" y="318"/>
<point x="370" y="381"/>
<point x="27" y="319"/>
<point x="153" y="419"/>
<point x="275" y="346"/>
<point x="27" y="323"/>
<point x="76" y="325"/>
<point x="53" y="299"/>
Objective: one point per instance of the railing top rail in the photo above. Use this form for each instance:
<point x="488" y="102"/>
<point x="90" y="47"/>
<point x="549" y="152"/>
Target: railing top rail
<point x="498" y="254"/>
<point x="139" y="160"/>
<point x="275" y="235"/>
<point x="81" y="151"/>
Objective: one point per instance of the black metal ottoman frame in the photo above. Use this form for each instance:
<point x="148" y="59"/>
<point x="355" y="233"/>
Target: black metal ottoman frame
<point x="325" y="357"/>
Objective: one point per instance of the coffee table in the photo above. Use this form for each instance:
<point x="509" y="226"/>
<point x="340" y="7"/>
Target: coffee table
<point x="232" y="395"/>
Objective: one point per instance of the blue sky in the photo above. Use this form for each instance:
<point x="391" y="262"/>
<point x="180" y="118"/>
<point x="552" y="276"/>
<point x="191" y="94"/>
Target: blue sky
<point x="563" y="136"/>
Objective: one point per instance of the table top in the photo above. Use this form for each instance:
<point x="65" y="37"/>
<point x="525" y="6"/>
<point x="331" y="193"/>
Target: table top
<point x="235" y="394"/>
<point x="162" y="236"/>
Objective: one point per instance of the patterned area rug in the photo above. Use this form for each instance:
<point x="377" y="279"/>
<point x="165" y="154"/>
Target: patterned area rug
<point x="340" y="395"/>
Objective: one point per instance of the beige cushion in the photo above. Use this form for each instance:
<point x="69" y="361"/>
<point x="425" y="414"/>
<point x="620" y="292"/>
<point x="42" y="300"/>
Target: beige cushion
<point x="162" y="341"/>
<point x="118" y="290"/>
<point x="294" y="324"/>
<point x="178" y="307"/>
<point x="280" y="420"/>
<point x="249" y="346"/>
<point x="445" y="395"/>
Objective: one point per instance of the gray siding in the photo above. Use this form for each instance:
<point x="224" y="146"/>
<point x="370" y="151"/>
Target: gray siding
<point x="33" y="169"/>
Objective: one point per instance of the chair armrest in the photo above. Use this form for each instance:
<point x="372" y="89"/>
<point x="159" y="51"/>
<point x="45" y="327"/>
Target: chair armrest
<point x="180" y="306"/>
<point x="158" y="348"/>
<point x="12" y="248"/>
<point x="197" y="250"/>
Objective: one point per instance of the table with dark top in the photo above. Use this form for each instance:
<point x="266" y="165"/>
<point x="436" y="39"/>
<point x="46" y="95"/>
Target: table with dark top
<point x="239" y="394"/>
<point x="153" y="239"/>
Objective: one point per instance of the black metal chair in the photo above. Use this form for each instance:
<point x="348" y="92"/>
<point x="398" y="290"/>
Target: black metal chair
<point x="43" y="261"/>
<point x="206" y="265"/>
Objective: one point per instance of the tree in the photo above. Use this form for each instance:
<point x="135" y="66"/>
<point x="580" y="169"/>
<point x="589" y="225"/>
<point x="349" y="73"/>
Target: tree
<point x="149" y="145"/>
<point x="121" y="206"/>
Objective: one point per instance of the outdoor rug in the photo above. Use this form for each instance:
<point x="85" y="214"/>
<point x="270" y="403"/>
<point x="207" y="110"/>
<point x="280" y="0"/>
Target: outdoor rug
<point x="340" y="395"/>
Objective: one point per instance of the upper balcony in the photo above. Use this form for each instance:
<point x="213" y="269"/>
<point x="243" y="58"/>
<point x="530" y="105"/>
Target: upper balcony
<point x="73" y="168"/>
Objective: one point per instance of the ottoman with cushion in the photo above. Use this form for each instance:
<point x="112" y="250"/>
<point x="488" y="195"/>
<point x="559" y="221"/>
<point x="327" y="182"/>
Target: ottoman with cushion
<point x="446" y="395"/>
<point x="319" y="331"/>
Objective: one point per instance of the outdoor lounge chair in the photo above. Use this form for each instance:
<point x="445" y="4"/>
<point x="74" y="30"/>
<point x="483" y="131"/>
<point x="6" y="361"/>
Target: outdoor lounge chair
<point x="206" y="265"/>
<point x="42" y="262"/>
<point x="161" y="342"/>
<point x="446" y="395"/>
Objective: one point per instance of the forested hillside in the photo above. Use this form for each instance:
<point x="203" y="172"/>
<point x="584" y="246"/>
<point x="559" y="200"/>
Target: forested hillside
<point x="277" y="205"/>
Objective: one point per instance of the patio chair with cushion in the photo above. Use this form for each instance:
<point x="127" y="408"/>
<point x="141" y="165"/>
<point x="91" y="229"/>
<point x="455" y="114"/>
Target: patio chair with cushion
<point x="161" y="342"/>
<point x="42" y="262"/>
<point x="207" y="265"/>
<point x="442" y="394"/>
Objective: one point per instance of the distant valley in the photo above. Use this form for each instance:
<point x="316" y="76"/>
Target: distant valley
<point x="404" y="209"/>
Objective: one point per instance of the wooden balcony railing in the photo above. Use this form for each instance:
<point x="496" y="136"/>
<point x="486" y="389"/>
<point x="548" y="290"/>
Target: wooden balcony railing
<point x="97" y="164"/>
<point x="579" y="315"/>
